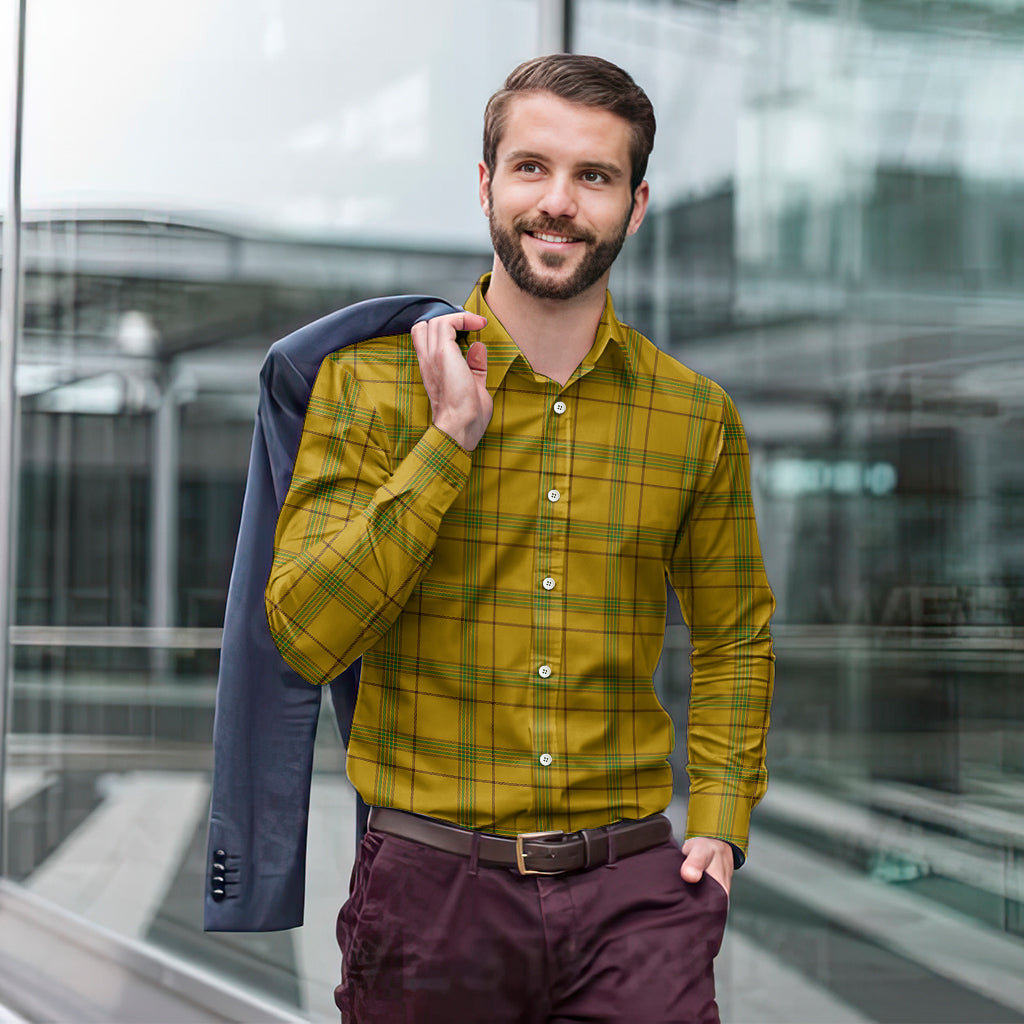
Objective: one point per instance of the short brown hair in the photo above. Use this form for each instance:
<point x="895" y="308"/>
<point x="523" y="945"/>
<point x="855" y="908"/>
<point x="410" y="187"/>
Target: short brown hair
<point x="577" y="78"/>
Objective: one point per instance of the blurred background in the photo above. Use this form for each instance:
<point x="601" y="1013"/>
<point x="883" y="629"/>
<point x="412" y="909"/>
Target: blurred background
<point x="836" y="236"/>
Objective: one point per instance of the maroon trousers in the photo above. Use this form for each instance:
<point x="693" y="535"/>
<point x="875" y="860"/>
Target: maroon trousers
<point x="432" y="938"/>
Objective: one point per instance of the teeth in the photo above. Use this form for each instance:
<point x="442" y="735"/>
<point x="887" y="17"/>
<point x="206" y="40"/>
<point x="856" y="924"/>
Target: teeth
<point x="551" y="238"/>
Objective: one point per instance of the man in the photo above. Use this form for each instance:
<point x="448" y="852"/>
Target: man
<point x="487" y="513"/>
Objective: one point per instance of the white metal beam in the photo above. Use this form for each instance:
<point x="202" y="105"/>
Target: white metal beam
<point x="10" y="310"/>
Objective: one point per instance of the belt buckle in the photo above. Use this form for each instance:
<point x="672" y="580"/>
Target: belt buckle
<point x="521" y="856"/>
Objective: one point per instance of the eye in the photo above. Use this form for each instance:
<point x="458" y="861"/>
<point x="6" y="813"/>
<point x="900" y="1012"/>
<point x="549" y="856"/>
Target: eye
<point x="594" y="177"/>
<point x="529" y="167"/>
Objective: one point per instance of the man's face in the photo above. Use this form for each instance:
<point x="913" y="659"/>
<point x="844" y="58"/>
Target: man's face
<point x="559" y="202"/>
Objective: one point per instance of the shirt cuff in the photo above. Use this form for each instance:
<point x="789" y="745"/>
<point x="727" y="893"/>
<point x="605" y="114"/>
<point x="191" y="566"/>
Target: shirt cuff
<point x="444" y="454"/>
<point x="720" y="816"/>
<point x="435" y="471"/>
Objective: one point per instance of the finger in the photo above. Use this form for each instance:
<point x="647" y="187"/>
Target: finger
<point x="442" y="331"/>
<point x="422" y="344"/>
<point x="460" y="321"/>
<point x="419" y="333"/>
<point x="446" y="327"/>
<point x="469" y="321"/>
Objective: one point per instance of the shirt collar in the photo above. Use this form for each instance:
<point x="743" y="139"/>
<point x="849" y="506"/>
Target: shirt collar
<point x="613" y="338"/>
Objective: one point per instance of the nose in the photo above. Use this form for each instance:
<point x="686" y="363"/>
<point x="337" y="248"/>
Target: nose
<point x="559" y="198"/>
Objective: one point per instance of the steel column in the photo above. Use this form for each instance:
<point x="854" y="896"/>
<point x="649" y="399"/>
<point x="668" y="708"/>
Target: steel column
<point x="554" y="24"/>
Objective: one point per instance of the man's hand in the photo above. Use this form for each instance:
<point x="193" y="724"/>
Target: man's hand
<point x="457" y="388"/>
<point x="710" y="855"/>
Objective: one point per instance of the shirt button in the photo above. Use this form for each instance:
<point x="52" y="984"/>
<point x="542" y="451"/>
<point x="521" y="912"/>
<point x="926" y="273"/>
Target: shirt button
<point x="545" y="759"/>
<point x="559" y="407"/>
<point x="544" y="671"/>
<point x="553" y="495"/>
<point x="548" y="584"/>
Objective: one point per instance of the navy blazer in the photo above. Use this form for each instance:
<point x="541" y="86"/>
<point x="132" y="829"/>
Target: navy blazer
<point x="266" y="714"/>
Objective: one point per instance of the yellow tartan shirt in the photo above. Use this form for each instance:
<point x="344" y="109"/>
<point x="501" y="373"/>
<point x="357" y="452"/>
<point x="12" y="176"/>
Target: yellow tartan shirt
<point x="509" y="603"/>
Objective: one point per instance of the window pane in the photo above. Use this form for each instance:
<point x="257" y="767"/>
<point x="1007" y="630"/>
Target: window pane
<point x="201" y="177"/>
<point x="836" y="237"/>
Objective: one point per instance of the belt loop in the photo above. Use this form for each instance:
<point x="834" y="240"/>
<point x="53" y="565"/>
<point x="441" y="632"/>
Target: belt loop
<point x="474" y="854"/>
<point x="587" y="859"/>
<point x="611" y="848"/>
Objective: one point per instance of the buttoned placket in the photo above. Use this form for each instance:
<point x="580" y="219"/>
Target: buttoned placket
<point x="549" y="616"/>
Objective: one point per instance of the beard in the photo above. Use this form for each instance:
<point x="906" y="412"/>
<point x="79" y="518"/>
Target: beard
<point x="599" y="255"/>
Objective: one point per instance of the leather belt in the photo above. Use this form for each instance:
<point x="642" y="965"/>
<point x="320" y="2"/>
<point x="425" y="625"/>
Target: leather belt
<point x="530" y="853"/>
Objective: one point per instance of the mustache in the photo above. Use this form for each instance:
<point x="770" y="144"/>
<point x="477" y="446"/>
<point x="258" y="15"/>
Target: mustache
<point x="552" y="226"/>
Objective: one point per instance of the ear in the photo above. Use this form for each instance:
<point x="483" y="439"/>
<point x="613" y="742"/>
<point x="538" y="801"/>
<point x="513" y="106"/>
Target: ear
<point x="640" y="199"/>
<point x="485" y="184"/>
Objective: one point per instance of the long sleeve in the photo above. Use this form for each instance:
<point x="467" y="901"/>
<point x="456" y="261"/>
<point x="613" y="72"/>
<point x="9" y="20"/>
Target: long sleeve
<point x="356" y="532"/>
<point x="718" y="575"/>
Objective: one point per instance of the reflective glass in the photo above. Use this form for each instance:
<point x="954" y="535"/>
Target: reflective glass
<point x="836" y="237"/>
<point x="200" y="178"/>
<point x="8" y="22"/>
<point x="323" y="118"/>
<point x="8" y="29"/>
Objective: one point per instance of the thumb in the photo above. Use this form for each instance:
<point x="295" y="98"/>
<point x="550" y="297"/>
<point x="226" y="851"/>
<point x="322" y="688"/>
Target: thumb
<point x="691" y="871"/>
<point x="694" y="864"/>
<point x="477" y="357"/>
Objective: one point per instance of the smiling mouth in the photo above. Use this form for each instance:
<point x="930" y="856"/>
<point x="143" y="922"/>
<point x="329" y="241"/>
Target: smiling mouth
<point x="544" y="236"/>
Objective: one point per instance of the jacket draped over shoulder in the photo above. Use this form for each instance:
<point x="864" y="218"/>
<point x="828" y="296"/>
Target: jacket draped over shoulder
<point x="266" y="715"/>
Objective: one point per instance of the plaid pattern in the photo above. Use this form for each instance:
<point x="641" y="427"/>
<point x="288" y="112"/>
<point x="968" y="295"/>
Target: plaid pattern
<point x="489" y="697"/>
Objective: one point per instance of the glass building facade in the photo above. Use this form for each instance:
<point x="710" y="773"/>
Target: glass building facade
<point x="836" y="235"/>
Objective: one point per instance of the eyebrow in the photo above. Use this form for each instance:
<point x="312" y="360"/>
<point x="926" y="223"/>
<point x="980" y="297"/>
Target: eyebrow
<point x="613" y="171"/>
